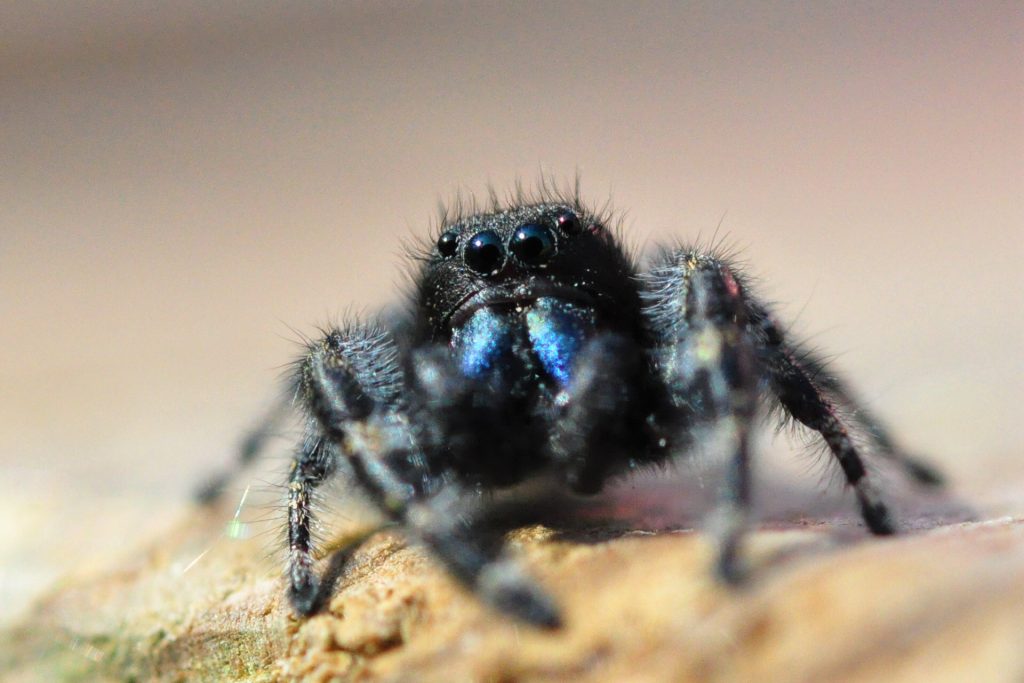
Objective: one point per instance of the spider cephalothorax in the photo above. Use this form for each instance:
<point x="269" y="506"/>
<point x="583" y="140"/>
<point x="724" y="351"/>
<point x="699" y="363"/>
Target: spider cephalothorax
<point x="516" y="256"/>
<point x="534" y="347"/>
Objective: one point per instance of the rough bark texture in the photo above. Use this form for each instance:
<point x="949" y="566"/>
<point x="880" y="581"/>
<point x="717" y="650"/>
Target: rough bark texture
<point x="945" y="603"/>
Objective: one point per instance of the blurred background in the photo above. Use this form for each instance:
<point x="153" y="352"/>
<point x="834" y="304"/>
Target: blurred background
<point x="184" y="187"/>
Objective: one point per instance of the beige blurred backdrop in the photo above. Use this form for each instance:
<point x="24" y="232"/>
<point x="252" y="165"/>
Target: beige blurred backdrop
<point x="185" y="186"/>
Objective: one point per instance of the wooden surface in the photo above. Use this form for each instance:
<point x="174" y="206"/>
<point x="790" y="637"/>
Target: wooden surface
<point x="942" y="603"/>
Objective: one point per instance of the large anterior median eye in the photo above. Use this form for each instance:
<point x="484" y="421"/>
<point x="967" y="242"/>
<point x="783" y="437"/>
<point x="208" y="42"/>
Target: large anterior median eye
<point x="532" y="244"/>
<point x="485" y="253"/>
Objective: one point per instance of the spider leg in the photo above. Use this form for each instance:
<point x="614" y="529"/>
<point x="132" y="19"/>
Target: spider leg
<point x="708" y="360"/>
<point x="446" y="524"/>
<point x="312" y="465"/>
<point x="800" y="389"/>
<point x="920" y="471"/>
<point x="455" y="524"/>
<point x="476" y="557"/>
<point x="382" y="450"/>
<point x="596" y="431"/>
<point x="345" y="377"/>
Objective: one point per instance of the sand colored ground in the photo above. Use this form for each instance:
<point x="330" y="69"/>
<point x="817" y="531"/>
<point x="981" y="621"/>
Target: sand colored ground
<point x="942" y="603"/>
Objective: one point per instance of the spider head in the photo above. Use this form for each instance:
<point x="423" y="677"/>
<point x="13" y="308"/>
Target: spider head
<point x="513" y="257"/>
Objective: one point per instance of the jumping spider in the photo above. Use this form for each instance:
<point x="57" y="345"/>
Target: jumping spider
<point x="535" y="347"/>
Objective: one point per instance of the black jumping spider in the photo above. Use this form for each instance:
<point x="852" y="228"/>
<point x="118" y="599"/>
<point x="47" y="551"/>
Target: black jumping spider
<point x="534" y="347"/>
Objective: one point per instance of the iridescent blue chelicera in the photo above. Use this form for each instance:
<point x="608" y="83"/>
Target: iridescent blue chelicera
<point x="482" y="343"/>
<point x="558" y="330"/>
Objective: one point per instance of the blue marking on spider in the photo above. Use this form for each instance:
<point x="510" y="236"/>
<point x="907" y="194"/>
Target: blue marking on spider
<point x="557" y="331"/>
<point x="482" y="342"/>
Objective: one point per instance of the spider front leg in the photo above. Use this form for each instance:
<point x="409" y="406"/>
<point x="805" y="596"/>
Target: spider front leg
<point x="345" y="378"/>
<point x="600" y="426"/>
<point x="707" y="360"/>
<point x="383" y="450"/>
<point x="791" y="383"/>
<point x="460" y="420"/>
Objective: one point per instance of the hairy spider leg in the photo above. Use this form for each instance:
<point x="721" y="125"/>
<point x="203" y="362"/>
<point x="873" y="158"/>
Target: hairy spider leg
<point x="914" y="467"/>
<point x="707" y="358"/>
<point x="600" y="425"/>
<point x="803" y="395"/>
<point x="312" y="465"/>
<point x="346" y="377"/>
<point x="456" y="525"/>
<point x="380" y="448"/>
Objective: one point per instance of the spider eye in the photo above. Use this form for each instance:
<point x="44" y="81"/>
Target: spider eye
<point x="484" y="253"/>
<point x="532" y="244"/>
<point x="569" y="223"/>
<point x="448" y="243"/>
